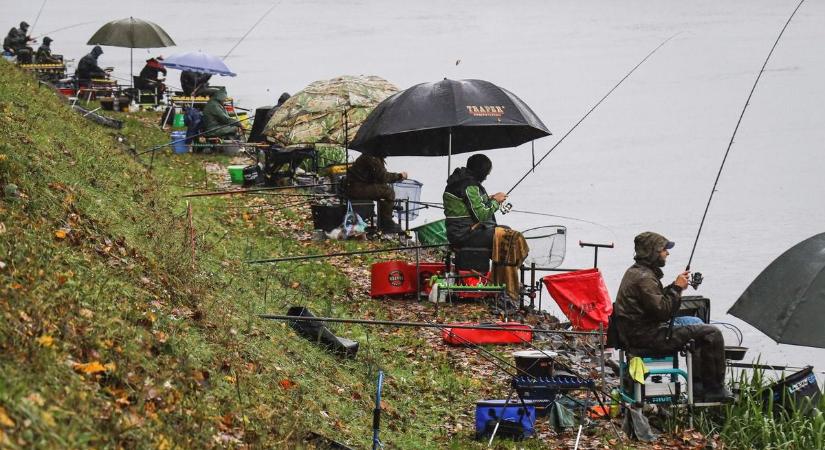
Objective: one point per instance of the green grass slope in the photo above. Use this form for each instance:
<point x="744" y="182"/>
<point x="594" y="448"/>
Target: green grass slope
<point x="122" y="327"/>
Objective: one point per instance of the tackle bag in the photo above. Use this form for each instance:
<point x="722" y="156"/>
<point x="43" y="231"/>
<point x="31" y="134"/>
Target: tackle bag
<point x="516" y="421"/>
<point x="516" y="333"/>
<point x="315" y="331"/>
<point x="798" y="390"/>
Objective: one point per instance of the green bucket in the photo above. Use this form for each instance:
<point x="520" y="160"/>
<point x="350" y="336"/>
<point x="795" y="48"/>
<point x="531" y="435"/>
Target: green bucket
<point x="178" y="122"/>
<point x="432" y="233"/>
<point x="236" y="174"/>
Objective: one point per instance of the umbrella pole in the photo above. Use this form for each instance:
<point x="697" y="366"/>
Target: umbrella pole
<point x="449" y="151"/>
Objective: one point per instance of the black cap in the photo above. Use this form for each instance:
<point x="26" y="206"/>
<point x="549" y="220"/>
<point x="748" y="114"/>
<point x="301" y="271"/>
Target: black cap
<point x="480" y="165"/>
<point x="670" y="245"/>
<point x="24" y="25"/>
<point x="47" y="39"/>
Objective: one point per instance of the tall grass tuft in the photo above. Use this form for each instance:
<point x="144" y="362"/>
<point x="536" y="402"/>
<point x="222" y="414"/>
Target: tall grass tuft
<point x="754" y="421"/>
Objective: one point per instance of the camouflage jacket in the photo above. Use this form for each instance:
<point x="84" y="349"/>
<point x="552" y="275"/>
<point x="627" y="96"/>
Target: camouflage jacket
<point x="643" y="305"/>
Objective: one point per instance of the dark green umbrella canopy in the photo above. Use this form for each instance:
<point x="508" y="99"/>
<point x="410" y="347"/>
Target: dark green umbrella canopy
<point x="787" y="300"/>
<point x="131" y="33"/>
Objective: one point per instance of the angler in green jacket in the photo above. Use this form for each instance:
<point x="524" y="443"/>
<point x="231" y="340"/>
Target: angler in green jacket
<point x="470" y="211"/>
<point x="216" y="121"/>
<point x="644" y="308"/>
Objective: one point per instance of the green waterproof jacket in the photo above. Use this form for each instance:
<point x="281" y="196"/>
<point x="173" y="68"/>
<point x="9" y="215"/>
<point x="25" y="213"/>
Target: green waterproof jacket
<point x="466" y="204"/>
<point x="643" y="305"/>
<point x="216" y="121"/>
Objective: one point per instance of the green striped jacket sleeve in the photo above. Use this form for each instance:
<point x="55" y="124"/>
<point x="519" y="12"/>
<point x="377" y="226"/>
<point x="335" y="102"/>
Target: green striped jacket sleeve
<point x="481" y="206"/>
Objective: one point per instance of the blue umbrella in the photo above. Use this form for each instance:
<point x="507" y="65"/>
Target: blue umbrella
<point x="198" y="62"/>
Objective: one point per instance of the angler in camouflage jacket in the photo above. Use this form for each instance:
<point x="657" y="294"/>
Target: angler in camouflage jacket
<point x="644" y="308"/>
<point x="469" y="210"/>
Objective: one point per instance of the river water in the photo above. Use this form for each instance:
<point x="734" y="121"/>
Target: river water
<point x="644" y="160"/>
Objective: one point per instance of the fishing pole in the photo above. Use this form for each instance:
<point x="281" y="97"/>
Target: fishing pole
<point x="427" y="324"/>
<point x="532" y="169"/>
<point x="63" y="28"/>
<point x="736" y="128"/>
<point x="331" y="255"/>
<point x="246" y="191"/>
<point x="217" y="127"/>
<point x="250" y="30"/>
<point x="36" y="19"/>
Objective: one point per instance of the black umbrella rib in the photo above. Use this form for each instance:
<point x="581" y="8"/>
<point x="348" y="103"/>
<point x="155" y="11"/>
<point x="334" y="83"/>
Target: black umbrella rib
<point x="736" y="128"/>
<point x="591" y="110"/>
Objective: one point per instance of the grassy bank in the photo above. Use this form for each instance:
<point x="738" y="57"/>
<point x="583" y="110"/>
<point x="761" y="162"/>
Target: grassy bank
<point x="126" y="326"/>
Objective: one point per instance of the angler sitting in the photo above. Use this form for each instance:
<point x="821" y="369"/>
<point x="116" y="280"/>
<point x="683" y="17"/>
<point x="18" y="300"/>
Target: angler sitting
<point x="368" y="179"/>
<point x="149" y="78"/>
<point x="216" y="121"/>
<point x="87" y="68"/>
<point x="17" y="43"/>
<point x="472" y="227"/>
<point x="643" y="312"/>
<point x="44" y="53"/>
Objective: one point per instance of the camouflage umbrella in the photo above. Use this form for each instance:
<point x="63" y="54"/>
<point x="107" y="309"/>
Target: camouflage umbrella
<point x="327" y="111"/>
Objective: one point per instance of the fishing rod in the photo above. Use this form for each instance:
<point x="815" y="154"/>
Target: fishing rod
<point x="331" y="255"/>
<point x="63" y="28"/>
<point x="296" y="194"/>
<point x="730" y="144"/>
<point x="246" y="191"/>
<point x="397" y="323"/>
<point x="498" y="361"/>
<point x="532" y="169"/>
<point x="216" y="127"/>
<point x="532" y="213"/>
<point x="250" y="30"/>
<point x="36" y="19"/>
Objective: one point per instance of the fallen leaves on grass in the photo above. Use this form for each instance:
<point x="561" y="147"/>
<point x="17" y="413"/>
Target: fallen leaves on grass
<point x="94" y="367"/>
<point x="287" y="384"/>
<point x="5" y="420"/>
<point x="45" y="340"/>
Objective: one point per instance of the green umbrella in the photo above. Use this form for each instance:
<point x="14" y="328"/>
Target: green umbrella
<point x="327" y="111"/>
<point x="131" y="33"/>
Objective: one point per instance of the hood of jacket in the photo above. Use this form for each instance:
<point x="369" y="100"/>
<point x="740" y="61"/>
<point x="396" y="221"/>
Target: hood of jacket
<point x="97" y="51"/>
<point x="459" y="180"/>
<point x="647" y="246"/>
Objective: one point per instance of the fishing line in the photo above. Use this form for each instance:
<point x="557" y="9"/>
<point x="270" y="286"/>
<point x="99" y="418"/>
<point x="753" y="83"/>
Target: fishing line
<point x="63" y="28"/>
<point x="250" y="30"/>
<point x="247" y="191"/>
<point x="532" y="169"/>
<point x="738" y="122"/>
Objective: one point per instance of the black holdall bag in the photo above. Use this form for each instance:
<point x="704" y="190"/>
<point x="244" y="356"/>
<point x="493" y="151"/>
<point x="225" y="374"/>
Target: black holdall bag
<point x="695" y="306"/>
<point x="799" y="390"/>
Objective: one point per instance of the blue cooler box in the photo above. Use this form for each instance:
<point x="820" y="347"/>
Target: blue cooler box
<point x="517" y="421"/>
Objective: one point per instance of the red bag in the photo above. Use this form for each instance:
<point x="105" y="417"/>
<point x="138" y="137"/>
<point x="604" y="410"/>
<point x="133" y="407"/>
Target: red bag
<point x="520" y="334"/>
<point x="582" y="297"/>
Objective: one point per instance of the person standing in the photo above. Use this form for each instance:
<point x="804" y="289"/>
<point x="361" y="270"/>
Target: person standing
<point x="44" y="53"/>
<point x="368" y="179"/>
<point x="87" y="68"/>
<point x="643" y="311"/>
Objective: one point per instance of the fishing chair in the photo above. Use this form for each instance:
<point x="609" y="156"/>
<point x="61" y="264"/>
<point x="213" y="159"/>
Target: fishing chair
<point x="660" y="366"/>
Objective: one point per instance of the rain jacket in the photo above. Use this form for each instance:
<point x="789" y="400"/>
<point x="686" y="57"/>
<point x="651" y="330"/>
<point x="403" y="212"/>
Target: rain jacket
<point x="16" y="39"/>
<point x="466" y="204"/>
<point x="44" y="55"/>
<point x="643" y="305"/>
<point x="216" y="121"/>
<point x="148" y="78"/>
<point x="368" y="169"/>
<point x="87" y="68"/>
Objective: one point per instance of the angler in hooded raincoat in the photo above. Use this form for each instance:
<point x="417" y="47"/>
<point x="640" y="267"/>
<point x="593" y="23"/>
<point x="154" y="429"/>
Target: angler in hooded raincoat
<point x="644" y="308"/>
<point x="469" y="210"/>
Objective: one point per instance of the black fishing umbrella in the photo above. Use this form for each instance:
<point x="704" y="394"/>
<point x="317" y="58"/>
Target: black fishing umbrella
<point x="448" y="117"/>
<point x="787" y="300"/>
<point x="131" y="33"/>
